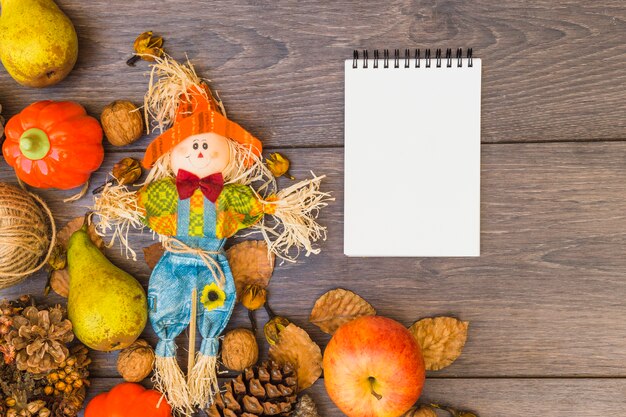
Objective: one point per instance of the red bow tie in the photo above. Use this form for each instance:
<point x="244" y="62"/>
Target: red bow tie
<point x="187" y="183"/>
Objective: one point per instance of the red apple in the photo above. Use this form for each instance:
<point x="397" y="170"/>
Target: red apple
<point x="373" y="367"/>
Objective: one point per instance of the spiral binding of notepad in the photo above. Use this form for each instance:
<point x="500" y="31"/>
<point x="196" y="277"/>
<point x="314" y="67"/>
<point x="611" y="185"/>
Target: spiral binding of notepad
<point x="417" y="57"/>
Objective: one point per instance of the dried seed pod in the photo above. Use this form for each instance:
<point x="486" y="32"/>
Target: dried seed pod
<point x="273" y="328"/>
<point x="135" y="362"/>
<point x="254" y="297"/>
<point x="421" y="410"/>
<point x="146" y="46"/>
<point x="278" y="165"/>
<point x="34" y="406"/>
<point x="239" y="349"/>
<point x="122" y="123"/>
<point x="127" y="171"/>
<point x="306" y="407"/>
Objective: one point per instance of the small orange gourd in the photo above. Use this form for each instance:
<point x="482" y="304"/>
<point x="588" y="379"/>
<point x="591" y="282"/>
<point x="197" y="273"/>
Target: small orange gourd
<point x="53" y="145"/>
<point x="129" y="400"/>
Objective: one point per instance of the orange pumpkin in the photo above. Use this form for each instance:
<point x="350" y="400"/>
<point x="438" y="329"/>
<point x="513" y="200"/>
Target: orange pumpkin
<point x="129" y="400"/>
<point x="53" y="145"/>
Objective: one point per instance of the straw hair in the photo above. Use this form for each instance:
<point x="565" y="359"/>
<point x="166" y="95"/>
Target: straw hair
<point x="27" y="234"/>
<point x="170" y="84"/>
<point x="118" y="212"/>
<point x="169" y="379"/>
<point x="203" y="380"/>
<point x="294" y="211"/>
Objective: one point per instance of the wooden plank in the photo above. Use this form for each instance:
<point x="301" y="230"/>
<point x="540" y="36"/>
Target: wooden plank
<point x="544" y="299"/>
<point x="550" y="73"/>
<point x="520" y="397"/>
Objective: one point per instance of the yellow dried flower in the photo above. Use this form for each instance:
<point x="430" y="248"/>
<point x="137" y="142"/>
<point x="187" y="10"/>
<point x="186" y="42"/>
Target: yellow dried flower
<point x="146" y="46"/>
<point x="127" y="171"/>
<point x="212" y="297"/>
<point x="278" y="165"/>
<point x="273" y="328"/>
<point x="58" y="258"/>
<point x="254" y="297"/>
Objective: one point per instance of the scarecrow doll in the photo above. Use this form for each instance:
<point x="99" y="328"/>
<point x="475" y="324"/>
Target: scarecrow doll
<point x="206" y="183"/>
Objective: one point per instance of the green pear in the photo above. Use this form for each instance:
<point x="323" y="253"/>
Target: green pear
<point x="38" y="43"/>
<point x="107" y="306"/>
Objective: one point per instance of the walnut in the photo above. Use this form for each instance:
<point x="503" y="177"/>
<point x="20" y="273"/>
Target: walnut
<point x="122" y="123"/>
<point x="135" y="362"/>
<point x="239" y="349"/>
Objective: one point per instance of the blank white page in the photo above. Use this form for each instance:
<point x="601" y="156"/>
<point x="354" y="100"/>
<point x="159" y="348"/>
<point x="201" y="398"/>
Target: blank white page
<point x="412" y="159"/>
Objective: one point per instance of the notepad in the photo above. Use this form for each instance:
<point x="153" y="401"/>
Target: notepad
<point x="412" y="156"/>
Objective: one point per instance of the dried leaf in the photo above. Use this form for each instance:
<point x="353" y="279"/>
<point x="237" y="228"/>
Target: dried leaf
<point x="60" y="278"/>
<point x="420" y="411"/>
<point x="441" y="339"/>
<point x="153" y="253"/>
<point x="296" y="347"/>
<point x="63" y="236"/>
<point x="250" y="264"/>
<point x="60" y="282"/>
<point x="337" y="307"/>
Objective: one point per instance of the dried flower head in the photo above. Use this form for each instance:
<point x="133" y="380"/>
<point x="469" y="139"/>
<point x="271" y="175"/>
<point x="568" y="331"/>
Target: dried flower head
<point x="278" y="165"/>
<point x="127" y="171"/>
<point x="273" y="328"/>
<point x="58" y="258"/>
<point x="254" y="297"/>
<point x="146" y="46"/>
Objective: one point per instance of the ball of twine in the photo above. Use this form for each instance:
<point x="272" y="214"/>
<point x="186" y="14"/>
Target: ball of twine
<point x="27" y="234"/>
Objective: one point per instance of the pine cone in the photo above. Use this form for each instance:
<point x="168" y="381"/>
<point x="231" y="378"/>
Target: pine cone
<point x="9" y="309"/>
<point x="39" y="338"/>
<point x="264" y="390"/>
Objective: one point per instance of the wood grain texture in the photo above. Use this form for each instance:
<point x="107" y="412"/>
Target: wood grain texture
<point x="551" y="72"/>
<point x="499" y="397"/>
<point x="544" y="299"/>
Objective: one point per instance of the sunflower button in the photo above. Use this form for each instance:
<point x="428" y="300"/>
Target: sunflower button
<point x="212" y="297"/>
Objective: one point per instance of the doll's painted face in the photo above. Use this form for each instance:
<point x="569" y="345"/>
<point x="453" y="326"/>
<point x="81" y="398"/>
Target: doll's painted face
<point x="202" y="155"/>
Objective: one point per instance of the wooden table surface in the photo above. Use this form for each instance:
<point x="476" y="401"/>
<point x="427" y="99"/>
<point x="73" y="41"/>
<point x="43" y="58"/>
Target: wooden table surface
<point x="546" y="301"/>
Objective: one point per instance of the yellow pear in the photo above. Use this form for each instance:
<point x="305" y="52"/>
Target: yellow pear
<point x="38" y="43"/>
<point x="107" y="306"/>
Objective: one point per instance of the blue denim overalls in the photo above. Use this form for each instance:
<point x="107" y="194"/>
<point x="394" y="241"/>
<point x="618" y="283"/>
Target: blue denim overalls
<point x="177" y="274"/>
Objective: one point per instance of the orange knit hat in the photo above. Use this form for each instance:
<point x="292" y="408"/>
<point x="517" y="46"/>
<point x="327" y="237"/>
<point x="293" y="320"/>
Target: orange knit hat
<point x="198" y="113"/>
